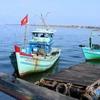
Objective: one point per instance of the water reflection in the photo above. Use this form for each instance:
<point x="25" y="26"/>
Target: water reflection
<point x="94" y="62"/>
<point x="37" y="76"/>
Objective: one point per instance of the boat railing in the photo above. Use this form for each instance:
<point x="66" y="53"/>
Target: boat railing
<point x="96" y="46"/>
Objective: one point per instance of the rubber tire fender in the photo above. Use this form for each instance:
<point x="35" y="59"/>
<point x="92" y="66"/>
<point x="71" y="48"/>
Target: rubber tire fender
<point x="62" y="87"/>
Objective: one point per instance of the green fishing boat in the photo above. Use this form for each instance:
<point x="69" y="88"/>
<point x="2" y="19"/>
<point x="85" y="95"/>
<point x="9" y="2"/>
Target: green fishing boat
<point x="91" y="52"/>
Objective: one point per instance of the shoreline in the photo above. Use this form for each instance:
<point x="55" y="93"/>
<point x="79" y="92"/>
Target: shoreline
<point x="62" y="26"/>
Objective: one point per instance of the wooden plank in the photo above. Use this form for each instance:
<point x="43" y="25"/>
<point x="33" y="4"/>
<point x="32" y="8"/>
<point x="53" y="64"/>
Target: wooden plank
<point x="24" y="90"/>
<point x="83" y="74"/>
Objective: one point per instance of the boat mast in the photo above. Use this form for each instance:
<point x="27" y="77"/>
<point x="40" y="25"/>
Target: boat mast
<point x="45" y="25"/>
<point x="43" y="19"/>
<point x="90" y="40"/>
<point x="24" y="22"/>
<point x="25" y="36"/>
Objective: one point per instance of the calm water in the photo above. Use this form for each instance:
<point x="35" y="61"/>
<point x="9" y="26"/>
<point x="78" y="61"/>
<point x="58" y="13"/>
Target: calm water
<point x="65" y="38"/>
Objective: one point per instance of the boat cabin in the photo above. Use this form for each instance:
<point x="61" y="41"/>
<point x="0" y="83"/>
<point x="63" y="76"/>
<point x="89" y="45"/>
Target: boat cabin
<point x="42" y="40"/>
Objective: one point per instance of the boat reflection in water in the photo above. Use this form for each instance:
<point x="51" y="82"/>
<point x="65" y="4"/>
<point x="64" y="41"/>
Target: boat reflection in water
<point x="33" y="77"/>
<point x="94" y="62"/>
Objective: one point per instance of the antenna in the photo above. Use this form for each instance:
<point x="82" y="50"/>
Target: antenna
<point x="43" y="19"/>
<point x="46" y="15"/>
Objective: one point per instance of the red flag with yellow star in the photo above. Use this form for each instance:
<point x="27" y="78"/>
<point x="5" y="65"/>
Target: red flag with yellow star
<point x="24" y="20"/>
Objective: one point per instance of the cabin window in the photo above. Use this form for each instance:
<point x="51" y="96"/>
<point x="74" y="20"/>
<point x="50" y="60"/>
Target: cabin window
<point x="46" y="35"/>
<point x="43" y="35"/>
<point x="51" y="35"/>
<point x="35" y="34"/>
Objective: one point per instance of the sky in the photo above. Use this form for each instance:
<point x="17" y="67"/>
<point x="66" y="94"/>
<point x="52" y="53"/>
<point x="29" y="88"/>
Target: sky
<point x="61" y="12"/>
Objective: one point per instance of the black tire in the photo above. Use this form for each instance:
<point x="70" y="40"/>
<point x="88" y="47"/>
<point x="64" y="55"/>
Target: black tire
<point x="62" y="88"/>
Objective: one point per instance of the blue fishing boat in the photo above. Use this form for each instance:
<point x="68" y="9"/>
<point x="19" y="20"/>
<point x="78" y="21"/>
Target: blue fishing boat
<point x="91" y="52"/>
<point x="39" y="55"/>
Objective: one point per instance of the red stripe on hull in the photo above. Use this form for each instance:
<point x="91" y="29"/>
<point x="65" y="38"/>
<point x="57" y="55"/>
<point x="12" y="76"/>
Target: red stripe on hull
<point x="24" y="54"/>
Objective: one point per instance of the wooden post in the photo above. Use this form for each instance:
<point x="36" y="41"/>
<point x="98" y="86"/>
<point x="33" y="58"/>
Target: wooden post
<point x="25" y="36"/>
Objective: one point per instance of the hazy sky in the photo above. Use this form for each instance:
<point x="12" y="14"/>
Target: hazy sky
<point x="65" y="12"/>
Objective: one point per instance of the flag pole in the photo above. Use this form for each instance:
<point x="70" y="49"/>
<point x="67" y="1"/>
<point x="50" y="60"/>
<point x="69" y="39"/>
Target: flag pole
<point x="25" y="36"/>
<point x="24" y="21"/>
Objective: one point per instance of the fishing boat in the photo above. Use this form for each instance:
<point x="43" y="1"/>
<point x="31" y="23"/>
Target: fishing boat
<point x="39" y="55"/>
<point x="91" y="52"/>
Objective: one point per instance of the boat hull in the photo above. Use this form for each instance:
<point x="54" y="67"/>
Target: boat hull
<point x="91" y="54"/>
<point x="26" y="64"/>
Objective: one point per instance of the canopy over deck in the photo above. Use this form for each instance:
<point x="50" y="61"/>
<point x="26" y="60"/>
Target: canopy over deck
<point x="49" y="31"/>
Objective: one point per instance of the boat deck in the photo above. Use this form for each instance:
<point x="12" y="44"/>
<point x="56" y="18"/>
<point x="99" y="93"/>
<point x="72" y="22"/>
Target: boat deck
<point x="82" y="74"/>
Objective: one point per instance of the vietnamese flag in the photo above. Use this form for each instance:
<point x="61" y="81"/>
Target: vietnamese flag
<point x="24" y="20"/>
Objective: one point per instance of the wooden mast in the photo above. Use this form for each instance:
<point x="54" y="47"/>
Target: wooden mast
<point x="24" y="22"/>
<point x="45" y="25"/>
<point x="25" y="36"/>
